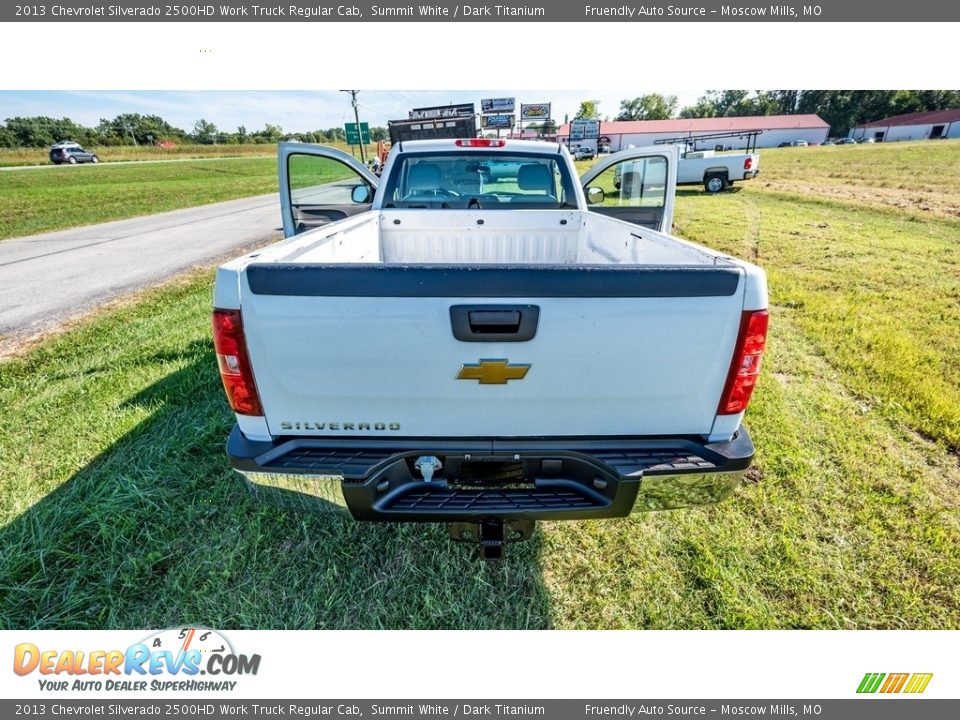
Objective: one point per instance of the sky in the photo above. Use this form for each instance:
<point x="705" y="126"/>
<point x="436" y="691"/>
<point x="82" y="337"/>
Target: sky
<point x="294" y="111"/>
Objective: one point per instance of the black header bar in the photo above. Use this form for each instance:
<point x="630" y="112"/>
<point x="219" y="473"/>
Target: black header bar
<point x="449" y="11"/>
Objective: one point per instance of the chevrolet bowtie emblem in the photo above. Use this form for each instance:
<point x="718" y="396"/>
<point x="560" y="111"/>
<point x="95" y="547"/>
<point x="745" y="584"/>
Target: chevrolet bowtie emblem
<point x="493" y="372"/>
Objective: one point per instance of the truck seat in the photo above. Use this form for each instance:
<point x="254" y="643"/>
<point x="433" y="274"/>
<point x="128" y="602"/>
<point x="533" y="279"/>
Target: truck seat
<point x="423" y="178"/>
<point x="535" y="177"/>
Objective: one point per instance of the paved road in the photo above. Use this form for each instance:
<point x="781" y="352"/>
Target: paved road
<point x="46" y="279"/>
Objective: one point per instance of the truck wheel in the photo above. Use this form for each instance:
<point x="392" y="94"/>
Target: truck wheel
<point x="714" y="183"/>
<point x="72" y="161"/>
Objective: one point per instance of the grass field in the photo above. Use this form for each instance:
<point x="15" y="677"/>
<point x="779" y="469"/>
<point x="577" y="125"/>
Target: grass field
<point x="117" y="508"/>
<point x="34" y="201"/>
<point x="914" y="178"/>
<point x="920" y="178"/>
<point x="40" y="156"/>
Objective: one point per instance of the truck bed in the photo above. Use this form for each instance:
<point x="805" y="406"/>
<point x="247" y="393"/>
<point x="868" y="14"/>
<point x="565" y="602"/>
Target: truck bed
<point x="540" y="237"/>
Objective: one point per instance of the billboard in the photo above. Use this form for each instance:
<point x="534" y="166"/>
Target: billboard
<point x="498" y="105"/>
<point x="496" y="122"/>
<point x="442" y="111"/>
<point x="584" y="130"/>
<point x="535" y="111"/>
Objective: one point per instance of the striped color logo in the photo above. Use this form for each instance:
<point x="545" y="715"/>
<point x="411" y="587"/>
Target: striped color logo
<point x="913" y="683"/>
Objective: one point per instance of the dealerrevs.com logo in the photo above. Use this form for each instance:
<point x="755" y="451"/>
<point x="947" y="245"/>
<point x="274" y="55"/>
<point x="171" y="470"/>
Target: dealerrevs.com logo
<point x="169" y="660"/>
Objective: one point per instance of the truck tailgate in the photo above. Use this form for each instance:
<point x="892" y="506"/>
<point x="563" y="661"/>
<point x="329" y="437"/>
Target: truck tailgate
<point x="341" y="350"/>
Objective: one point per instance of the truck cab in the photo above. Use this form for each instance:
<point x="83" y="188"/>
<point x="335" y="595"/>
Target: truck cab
<point x="715" y="170"/>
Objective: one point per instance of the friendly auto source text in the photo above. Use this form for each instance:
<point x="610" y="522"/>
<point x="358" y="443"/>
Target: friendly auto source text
<point x="640" y="11"/>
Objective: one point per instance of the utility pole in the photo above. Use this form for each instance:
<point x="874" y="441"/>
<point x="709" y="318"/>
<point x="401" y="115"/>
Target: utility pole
<point x="133" y="137"/>
<point x="356" y="116"/>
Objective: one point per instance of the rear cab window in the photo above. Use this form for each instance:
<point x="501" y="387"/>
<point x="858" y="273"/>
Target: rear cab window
<point x="482" y="180"/>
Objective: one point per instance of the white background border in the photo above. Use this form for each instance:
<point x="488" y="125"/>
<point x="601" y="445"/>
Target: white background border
<point x="660" y="56"/>
<point x="543" y="664"/>
<point x="648" y="57"/>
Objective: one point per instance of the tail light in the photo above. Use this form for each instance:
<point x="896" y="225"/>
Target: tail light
<point x="480" y="142"/>
<point x="235" y="370"/>
<point x="748" y="162"/>
<point x="745" y="366"/>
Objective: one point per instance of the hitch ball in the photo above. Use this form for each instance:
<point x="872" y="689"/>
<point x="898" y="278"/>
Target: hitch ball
<point x="428" y="465"/>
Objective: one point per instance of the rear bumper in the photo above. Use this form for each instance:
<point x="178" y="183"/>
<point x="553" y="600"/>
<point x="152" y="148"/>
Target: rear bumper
<point x="542" y="479"/>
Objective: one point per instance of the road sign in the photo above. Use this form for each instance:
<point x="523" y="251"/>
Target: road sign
<point x="353" y="137"/>
<point x="584" y="130"/>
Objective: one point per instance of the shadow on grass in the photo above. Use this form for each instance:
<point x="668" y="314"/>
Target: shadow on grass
<point x="158" y="530"/>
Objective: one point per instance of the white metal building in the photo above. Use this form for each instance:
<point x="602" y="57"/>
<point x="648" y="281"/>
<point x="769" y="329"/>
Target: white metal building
<point x="774" y="130"/>
<point x="929" y="125"/>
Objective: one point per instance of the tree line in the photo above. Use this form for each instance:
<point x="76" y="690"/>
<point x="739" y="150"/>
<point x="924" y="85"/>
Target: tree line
<point x="137" y="129"/>
<point x="842" y="109"/>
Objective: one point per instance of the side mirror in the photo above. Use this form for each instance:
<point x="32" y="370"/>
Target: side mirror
<point x="595" y="196"/>
<point x="360" y="194"/>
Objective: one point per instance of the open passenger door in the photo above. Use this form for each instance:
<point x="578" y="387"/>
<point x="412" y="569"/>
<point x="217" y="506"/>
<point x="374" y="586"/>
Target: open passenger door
<point x="320" y="185"/>
<point x="636" y="185"/>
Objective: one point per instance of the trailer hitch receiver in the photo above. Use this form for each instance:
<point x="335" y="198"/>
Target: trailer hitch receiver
<point x="492" y="535"/>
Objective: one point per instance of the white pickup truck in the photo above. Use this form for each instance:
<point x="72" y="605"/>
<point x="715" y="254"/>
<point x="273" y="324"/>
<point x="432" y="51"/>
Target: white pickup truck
<point x="484" y="339"/>
<point x="716" y="171"/>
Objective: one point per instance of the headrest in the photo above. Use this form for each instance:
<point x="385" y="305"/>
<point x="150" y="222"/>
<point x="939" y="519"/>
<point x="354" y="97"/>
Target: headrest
<point x="534" y="176"/>
<point x="423" y="176"/>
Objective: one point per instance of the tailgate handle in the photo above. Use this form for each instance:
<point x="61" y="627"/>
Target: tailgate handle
<point x="494" y="323"/>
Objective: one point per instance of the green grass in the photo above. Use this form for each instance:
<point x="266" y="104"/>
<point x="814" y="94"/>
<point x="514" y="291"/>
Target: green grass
<point x="15" y="157"/>
<point x="33" y="201"/>
<point x="118" y="510"/>
<point x="309" y="171"/>
<point x="912" y="177"/>
<point x="878" y="293"/>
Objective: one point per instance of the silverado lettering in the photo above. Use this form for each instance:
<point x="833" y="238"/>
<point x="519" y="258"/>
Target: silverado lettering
<point x="359" y="426"/>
